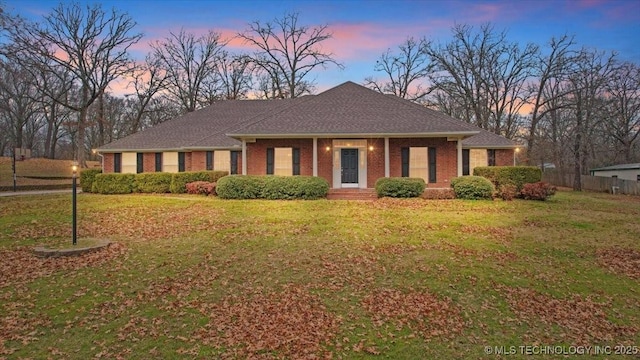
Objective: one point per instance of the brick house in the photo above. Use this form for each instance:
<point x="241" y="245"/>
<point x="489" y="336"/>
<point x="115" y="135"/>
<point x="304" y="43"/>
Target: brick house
<point x="349" y="135"/>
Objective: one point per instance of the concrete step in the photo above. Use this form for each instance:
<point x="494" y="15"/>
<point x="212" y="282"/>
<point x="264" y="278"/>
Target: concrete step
<point x="352" y="194"/>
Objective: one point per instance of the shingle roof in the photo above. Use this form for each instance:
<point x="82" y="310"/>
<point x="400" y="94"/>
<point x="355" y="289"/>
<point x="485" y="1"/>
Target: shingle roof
<point x="201" y="128"/>
<point x="348" y="109"/>
<point x="353" y="109"/>
<point x="486" y="139"/>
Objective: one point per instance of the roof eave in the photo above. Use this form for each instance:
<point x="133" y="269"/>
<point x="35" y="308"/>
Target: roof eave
<point x="457" y="134"/>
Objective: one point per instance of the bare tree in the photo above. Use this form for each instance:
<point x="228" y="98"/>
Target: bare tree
<point x="550" y="70"/>
<point x="623" y="105"/>
<point x="287" y="52"/>
<point x="235" y="74"/>
<point x="88" y="43"/>
<point x="487" y="73"/>
<point x="403" y="71"/>
<point x="148" y="79"/>
<point x="19" y="103"/>
<point x="190" y="65"/>
<point x="587" y="83"/>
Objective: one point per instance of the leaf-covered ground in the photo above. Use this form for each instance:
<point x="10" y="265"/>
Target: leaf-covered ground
<point x="196" y="277"/>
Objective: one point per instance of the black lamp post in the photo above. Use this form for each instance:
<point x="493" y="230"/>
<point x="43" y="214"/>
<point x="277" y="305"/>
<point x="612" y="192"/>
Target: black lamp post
<point x="74" y="187"/>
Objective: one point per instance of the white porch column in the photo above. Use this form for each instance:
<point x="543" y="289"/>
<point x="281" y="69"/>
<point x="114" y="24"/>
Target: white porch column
<point x="387" y="170"/>
<point x="244" y="157"/>
<point x="315" y="156"/>
<point x="460" y="157"/>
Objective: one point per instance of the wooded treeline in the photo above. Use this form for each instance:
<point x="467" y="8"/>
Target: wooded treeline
<point x="571" y="106"/>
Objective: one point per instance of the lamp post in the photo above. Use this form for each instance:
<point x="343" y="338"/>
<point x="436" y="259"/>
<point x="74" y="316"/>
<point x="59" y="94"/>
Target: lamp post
<point x="74" y="188"/>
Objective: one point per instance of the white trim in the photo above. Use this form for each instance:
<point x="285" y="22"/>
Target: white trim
<point x="244" y="157"/>
<point x="315" y="156"/>
<point x="362" y="147"/>
<point x="357" y="135"/>
<point x="459" y="156"/>
<point x="387" y="171"/>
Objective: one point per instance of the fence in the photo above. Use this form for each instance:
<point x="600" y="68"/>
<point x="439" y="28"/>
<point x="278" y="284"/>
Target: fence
<point x="594" y="183"/>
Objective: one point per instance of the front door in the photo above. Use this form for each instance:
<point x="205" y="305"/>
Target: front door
<point x="349" y="161"/>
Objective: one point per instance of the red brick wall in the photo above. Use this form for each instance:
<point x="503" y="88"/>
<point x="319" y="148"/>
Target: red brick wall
<point x="504" y="157"/>
<point x="239" y="163"/>
<point x="149" y="162"/>
<point x="257" y="154"/>
<point x="107" y="165"/>
<point x="375" y="161"/>
<point x="446" y="158"/>
<point x="198" y="160"/>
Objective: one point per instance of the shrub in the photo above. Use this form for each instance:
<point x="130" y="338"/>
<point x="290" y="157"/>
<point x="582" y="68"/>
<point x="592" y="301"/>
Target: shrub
<point x="240" y="187"/>
<point x="507" y="192"/>
<point x="400" y="187"/>
<point x="201" y="188"/>
<point x="538" y="191"/>
<point x="294" y="187"/>
<point x="472" y="187"/>
<point x="114" y="183"/>
<point x="159" y="183"/>
<point x="272" y="187"/>
<point x="180" y="180"/>
<point x="87" y="177"/>
<point x="514" y="175"/>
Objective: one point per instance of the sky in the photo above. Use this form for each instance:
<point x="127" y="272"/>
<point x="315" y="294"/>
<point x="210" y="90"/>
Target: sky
<point x="364" y="29"/>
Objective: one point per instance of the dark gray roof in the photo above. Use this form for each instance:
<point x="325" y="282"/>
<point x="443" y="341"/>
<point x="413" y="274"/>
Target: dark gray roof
<point x="632" y="166"/>
<point x="353" y="109"/>
<point x="486" y="139"/>
<point x="202" y="128"/>
<point x="346" y="110"/>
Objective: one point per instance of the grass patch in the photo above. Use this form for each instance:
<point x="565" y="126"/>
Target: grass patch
<point x="200" y="277"/>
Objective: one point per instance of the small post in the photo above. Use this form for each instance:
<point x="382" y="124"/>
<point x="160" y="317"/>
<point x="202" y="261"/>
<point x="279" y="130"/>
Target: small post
<point x="13" y="167"/>
<point x="73" y="207"/>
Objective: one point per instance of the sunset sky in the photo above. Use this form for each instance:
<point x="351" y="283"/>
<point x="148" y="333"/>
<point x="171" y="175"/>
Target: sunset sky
<point x="362" y="30"/>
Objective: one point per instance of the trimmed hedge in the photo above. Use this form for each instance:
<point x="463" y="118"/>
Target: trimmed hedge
<point x="159" y="183"/>
<point x="180" y="180"/>
<point x="114" y="184"/>
<point x="472" y="188"/>
<point x="514" y="175"/>
<point x="400" y="187"/>
<point x="87" y="177"/>
<point x="272" y="187"/>
<point x="240" y="187"/>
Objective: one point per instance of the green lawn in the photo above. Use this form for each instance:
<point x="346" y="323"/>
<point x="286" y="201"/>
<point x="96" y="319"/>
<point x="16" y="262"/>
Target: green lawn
<point x="197" y="277"/>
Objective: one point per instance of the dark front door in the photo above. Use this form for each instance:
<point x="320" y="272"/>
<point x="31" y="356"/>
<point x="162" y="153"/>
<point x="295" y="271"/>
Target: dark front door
<point x="349" y="163"/>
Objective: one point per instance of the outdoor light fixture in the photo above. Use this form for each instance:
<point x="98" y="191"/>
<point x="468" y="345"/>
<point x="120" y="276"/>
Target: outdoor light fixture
<point x="371" y="148"/>
<point x="328" y="148"/>
<point x="74" y="222"/>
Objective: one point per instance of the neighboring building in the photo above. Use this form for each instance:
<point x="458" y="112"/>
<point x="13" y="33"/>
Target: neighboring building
<point x="623" y="171"/>
<point x="349" y="135"/>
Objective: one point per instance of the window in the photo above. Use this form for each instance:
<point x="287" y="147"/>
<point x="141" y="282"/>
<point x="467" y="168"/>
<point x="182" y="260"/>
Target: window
<point x="181" y="162"/>
<point x="117" y="162"/>
<point x="465" y="162"/>
<point x="638" y="177"/>
<point x="234" y="163"/>
<point x="491" y="157"/>
<point x="139" y="163"/>
<point x="222" y="160"/>
<point x="158" y="162"/>
<point x="209" y="160"/>
<point x="283" y="161"/>
<point x="418" y="162"/>
<point x="432" y="165"/>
